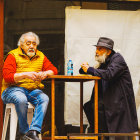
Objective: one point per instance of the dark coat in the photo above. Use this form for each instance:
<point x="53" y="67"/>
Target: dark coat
<point x="116" y="94"/>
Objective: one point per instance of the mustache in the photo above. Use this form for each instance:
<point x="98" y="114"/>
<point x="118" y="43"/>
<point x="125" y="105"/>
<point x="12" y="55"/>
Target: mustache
<point x="31" y="50"/>
<point x="101" y="58"/>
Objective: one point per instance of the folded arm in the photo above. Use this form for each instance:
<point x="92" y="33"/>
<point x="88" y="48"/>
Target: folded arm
<point x="10" y="75"/>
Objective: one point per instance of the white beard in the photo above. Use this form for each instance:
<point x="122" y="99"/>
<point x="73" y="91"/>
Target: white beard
<point x="99" y="60"/>
<point x="97" y="64"/>
<point x="31" y="54"/>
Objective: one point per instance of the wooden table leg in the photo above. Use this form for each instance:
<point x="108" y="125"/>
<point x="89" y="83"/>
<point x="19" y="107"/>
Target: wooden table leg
<point x="102" y="137"/>
<point x="96" y="107"/>
<point x="81" y="107"/>
<point x="53" y="109"/>
<point x="1" y="58"/>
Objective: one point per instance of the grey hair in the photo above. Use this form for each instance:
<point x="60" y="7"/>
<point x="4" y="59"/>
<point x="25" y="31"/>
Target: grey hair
<point x="22" y="38"/>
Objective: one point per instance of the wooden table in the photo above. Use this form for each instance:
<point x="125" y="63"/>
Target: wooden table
<point x="80" y="79"/>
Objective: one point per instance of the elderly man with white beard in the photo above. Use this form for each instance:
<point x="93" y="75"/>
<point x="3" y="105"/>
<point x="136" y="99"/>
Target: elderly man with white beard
<point x="117" y="110"/>
<point x="24" y="69"/>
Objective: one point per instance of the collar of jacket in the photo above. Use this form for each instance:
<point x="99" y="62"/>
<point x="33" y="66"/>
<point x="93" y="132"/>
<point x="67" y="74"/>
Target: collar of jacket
<point x="108" y="58"/>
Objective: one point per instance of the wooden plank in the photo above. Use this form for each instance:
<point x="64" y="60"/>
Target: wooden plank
<point x="96" y="108"/>
<point x="81" y="107"/>
<point x="1" y="59"/>
<point x="77" y="137"/>
<point x="72" y="78"/>
<point x="119" y="134"/>
<point x="84" y="137"/>
<point x="60" y="137"/>
<point x="94" y="5"/>
<point x="104" y="134"/>
<point x="53" y="109"/>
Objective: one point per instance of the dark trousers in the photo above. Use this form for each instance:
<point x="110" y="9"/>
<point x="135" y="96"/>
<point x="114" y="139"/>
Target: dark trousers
<point x="102" y="125"/>
<point x="89" y="111"/>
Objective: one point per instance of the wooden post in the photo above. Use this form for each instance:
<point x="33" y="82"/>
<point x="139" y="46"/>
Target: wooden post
<point x="81" y="107"/>
<point x="1" y="59"/>
<point x="53" y="109"/>
<point x="96" y="107"/>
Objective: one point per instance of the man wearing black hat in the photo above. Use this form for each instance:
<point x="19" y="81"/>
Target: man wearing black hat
<point x="117" y="109"/>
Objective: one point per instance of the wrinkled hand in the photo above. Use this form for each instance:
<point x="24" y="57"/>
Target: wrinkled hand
<point x="32" y="75"/>
<point x="35" y="76"/>
<point x="85" y="66"/>
<point x="42" y="75"/>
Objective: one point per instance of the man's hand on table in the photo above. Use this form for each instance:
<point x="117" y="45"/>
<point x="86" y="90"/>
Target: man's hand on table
<point x="85" y="66"/>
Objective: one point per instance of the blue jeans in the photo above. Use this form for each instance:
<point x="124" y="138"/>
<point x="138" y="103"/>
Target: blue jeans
<point x="20" y="97"/>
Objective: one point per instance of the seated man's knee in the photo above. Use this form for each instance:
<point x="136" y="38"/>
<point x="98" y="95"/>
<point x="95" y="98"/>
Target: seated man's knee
<point x="21" y="99"/>
<point x="45" y="98"/>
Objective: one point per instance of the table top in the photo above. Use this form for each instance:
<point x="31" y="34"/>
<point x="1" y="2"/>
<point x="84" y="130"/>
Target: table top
<point x="75" y="78"/>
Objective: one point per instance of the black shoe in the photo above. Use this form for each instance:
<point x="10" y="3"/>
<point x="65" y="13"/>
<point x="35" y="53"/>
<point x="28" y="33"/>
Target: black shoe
<point x="30" y="135"/>
<point x="91" y="129"/>
<point x="19" y="136"/>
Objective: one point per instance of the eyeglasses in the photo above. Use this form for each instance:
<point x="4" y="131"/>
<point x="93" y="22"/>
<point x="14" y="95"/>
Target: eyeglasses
<point x="28" y="43"/>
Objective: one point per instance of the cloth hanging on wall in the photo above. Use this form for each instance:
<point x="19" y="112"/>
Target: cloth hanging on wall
<point x="82" y="31"/>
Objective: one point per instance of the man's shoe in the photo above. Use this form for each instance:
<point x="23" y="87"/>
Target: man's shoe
<point x="30" y="135"/>
<point x="90" y="129"/>
<point x="20" y="136"/>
